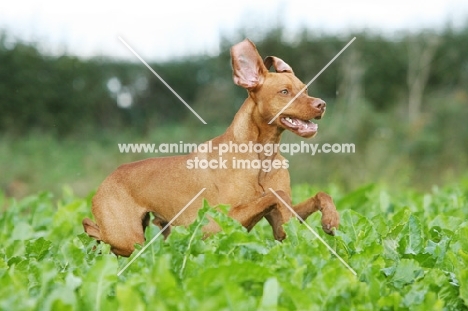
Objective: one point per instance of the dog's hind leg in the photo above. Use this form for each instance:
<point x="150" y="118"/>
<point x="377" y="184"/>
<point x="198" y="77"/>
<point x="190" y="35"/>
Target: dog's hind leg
<point x="120" y="222"/>
<point x="161" y="224"/>
<point x="91" y="229"/>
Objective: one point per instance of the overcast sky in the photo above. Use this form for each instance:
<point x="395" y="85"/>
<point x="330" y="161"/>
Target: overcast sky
<point x="158" y="30"/>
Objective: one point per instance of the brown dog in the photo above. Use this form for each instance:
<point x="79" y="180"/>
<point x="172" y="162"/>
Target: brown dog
<point x="163" y="186"/>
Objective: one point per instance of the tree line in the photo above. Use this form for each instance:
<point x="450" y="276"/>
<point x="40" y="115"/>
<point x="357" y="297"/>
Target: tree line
<point x="67" y="95"/>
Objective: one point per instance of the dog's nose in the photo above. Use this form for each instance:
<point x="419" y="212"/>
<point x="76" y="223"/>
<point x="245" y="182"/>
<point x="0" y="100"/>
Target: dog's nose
<point x="319" y="104"/>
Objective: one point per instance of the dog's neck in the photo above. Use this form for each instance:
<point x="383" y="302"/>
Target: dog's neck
<point x="249" y="125"/>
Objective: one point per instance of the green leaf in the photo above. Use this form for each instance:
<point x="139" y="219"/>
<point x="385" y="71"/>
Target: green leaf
<point x="270" y="296"/>
<point x="415" y="296"/>
<point x="440" y="283"/>
<point x="381" y="224"/>
<point x="437" y="250"/>
<point x="390" y="249"/>
<point x="22" y="231"/>
<point x="407" y="271"/>
<point x="384" y="200"/>
<point x="227" y="224"/>
<point x="97" y="283"/>
<point x="357" y="232"/>
<point x="411" y="241"/>
<point x="459" y="240"/>
<point x="399" y="219"/>
<point x="463" y="278"/>
<point x="390" y="301"/>
<point x="357" y="197"/>
<point x="38" y="248"/>
<point x="61" y="298"/>
<point x="129" y="298"/>
<point x="67" y="220"/>
<point x="445" y="222"/>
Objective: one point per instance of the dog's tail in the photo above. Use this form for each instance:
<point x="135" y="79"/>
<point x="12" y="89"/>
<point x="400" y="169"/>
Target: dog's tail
<point x="91" y="229"/>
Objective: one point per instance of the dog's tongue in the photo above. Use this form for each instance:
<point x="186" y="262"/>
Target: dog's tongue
<point x="301" y="127"/>
<point x="307" y="125"/>
<point x="300" y="124"/>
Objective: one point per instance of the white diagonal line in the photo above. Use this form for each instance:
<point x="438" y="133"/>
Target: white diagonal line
<point x="159" y="233"/>
<point x="315" y="233"/>
<point x="162" y="80"/>
<point x="313" y="79"/>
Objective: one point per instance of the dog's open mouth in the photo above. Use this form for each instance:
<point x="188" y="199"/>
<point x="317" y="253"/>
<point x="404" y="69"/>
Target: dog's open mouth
<point x="304" y="128"/>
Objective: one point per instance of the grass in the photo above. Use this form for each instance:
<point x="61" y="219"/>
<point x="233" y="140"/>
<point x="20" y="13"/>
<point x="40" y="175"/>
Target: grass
<point x="42" y="162"/>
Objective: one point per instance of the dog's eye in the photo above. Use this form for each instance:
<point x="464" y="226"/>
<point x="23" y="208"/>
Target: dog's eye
<point x="284" y="92"/>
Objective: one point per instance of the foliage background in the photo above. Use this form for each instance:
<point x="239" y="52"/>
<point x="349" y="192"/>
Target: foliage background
<point x="60" y="122"/>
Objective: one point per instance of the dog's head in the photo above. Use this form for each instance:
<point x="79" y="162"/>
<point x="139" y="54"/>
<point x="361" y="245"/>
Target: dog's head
<point x="280" y="96"/>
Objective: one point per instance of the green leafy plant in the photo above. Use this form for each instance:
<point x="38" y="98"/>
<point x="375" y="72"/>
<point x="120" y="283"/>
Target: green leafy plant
<point x="410" y="252"/>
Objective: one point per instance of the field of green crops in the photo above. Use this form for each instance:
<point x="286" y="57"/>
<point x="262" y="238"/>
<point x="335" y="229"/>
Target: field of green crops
<point x="410" y="252"/>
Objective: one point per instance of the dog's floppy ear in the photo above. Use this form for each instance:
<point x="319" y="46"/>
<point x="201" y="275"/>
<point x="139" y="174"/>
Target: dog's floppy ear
<point x="248" y="68"/>
<point x="278" y="64"/>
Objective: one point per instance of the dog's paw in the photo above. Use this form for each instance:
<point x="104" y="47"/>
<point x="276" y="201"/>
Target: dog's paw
<point x="279" y="234"/>
<point x="330" y="221"/>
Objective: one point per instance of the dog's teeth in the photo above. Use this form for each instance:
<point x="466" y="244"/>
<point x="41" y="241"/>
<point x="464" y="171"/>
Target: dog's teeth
<point x="290" y="120"/>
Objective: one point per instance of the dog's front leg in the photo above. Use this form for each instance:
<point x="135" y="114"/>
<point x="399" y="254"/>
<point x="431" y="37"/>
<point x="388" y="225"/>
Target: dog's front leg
<point x="268" y="206"/>
<point x="324" y="203"/>
<point x="280" y="215"/>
